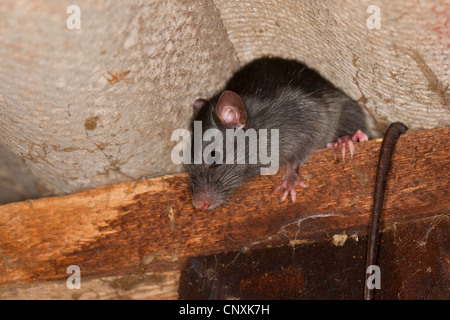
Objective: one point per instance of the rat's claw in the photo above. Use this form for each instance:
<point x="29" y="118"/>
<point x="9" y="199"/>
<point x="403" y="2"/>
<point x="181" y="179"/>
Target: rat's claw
<point x="351" y="147"/>
<point x="290" y="189"/>
<point x="333" y="145"/>
<point x="281" y="186"/>
<point x="284" y="196"/>
<point x="293" y="195"/>
<point x="345" y="141"/>
<point x="359" y="136"/>
<point x="343" y="150"/>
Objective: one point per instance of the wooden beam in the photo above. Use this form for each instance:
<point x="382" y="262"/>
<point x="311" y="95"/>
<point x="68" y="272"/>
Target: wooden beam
<point x="139" y="286"/>
<point x="151" y="225"/>
<point x="412" y="260"/>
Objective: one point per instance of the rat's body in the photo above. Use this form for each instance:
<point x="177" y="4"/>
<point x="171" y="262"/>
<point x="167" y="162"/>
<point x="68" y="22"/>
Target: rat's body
<point x="273" y="93"/>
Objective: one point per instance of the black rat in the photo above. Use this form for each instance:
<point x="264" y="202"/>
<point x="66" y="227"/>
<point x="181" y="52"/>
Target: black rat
<point x="274" y="93"/>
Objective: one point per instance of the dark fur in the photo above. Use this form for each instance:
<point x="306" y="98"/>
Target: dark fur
<point x="278" y="94"/>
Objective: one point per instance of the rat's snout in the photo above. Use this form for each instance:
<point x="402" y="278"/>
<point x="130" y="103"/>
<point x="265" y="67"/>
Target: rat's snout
<point x="202" y="201"/>
<point x="201" y="204"/>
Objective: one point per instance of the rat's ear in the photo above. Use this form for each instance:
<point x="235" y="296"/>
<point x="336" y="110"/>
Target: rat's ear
<point x="198" y="104"/>
<point x="231" y="110"/>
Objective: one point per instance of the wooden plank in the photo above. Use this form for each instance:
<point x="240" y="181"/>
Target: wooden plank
<point x="141" y="286"/>
<point x="412" y="264"/>
<point x="151" y="224"/>
<point x="415" y="259"/>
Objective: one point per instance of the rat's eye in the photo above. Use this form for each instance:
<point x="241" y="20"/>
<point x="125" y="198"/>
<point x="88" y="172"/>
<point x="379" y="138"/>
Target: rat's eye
<point x="213" y="157"/>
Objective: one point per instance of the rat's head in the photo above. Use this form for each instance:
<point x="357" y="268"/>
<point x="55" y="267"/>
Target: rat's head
<point x="214" y="179"/>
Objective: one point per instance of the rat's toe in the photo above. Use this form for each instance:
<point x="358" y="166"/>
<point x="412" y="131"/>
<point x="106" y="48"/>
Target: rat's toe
<point x="360" y="136"/>
<point x="347" y="141"/>
<point x="289" y="188"/>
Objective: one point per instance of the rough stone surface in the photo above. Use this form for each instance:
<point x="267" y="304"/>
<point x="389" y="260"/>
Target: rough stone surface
<point x="399" y="72"/>
<point x="73" y="128"/>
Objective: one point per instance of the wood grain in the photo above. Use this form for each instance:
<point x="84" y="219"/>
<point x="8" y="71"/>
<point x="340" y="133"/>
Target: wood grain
<point x="155" y="286"/>
<point x="151" y="225"/>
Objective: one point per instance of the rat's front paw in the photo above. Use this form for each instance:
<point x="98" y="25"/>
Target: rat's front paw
<point x="289" y="184"/>
<point x="349" y="141"/>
